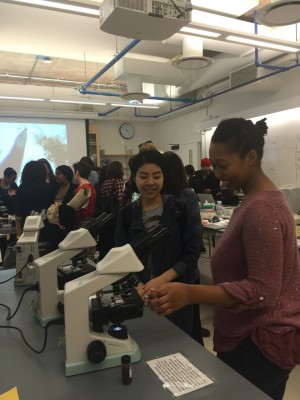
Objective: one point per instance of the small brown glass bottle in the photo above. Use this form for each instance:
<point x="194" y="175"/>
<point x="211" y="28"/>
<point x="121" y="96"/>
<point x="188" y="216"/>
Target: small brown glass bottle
<point x="126" y="370"/>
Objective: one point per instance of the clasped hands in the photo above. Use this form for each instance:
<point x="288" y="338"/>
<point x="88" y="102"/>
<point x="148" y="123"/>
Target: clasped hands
<point x="163" y="298"/>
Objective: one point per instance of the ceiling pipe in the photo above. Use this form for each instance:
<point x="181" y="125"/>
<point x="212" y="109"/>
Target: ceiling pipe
<point x="98" y="93"/>
<point x="217" y="94"/>
<point x="83" y="89"/>
<point x="122" y="53"/>
<point x="257" y="62"/>
<point x="109" y="112"/>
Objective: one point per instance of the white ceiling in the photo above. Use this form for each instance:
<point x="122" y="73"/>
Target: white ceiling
<point x="79" y="49"/>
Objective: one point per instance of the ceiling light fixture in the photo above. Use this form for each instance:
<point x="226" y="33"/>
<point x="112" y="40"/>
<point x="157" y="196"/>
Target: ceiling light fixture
<point x="199" y="32"/>
<point x="71" y="7"/>
<point x="132" y="105"/>
<point x="20" y="98"/>
<point x="262" y="43"/>
<point x="76" y="102"/>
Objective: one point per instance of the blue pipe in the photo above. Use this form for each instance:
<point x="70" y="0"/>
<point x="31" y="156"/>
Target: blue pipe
<point x="111" y="63"/>
<point x="109" y="112"/>
<point x="219" y="93"/>
<point x="257" y="62"/>
<point x="185" y="100"/>
<point x="83" y="91"/>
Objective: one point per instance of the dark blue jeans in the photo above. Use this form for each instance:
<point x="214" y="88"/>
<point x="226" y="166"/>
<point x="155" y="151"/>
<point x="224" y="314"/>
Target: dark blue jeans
<point x="248" y="361"/>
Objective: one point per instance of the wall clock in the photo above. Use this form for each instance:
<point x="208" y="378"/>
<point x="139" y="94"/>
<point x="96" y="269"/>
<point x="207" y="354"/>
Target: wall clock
<point x="127" y="130"/>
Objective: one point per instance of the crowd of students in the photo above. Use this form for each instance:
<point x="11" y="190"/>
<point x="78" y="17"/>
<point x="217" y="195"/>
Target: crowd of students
<point x="255" y="266"/>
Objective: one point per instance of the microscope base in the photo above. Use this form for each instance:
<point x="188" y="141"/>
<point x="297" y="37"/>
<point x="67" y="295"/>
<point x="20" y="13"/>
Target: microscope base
<point x="113" y="360"/>
<point x="27" y="278"/>
<point x="44" y="320"/>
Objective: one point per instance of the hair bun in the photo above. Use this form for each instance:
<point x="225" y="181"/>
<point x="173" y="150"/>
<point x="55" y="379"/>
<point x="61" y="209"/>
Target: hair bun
<point x="262" y="126"/>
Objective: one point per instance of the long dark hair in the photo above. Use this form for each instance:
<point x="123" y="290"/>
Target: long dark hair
<point x="176" y="176"/>
<point x="33" y="171"/>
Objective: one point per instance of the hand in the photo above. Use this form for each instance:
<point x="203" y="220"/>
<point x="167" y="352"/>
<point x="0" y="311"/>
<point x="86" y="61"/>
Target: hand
<point x="142" y="288"/>
<point x="168" y="298"/>
<point x="153" y="284"/>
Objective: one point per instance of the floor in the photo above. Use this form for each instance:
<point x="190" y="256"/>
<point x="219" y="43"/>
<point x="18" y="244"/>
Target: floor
<point x="293" y="385"/>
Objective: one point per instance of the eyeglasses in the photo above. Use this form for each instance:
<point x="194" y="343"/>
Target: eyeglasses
<point x="142" y="144"/>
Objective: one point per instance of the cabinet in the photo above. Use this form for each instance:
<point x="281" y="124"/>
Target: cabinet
<point x="93" y="148"/>
<point x="107" y="158"/>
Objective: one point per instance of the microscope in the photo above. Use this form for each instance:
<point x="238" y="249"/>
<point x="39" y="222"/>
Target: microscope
<point x="62" y="265"/>
<point x="48" y="295"/>
<point x="27" y="250"/>
<point x="95" y="336"/>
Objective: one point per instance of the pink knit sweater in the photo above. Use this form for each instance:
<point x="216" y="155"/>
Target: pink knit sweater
<point x="256" y="260"/>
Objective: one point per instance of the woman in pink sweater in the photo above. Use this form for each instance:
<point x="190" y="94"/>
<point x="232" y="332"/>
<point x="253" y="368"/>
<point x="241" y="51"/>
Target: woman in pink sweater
<point x="255" y="268"/>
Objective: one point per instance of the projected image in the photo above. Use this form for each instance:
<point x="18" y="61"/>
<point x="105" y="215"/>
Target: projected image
<point x="23" y="142"/>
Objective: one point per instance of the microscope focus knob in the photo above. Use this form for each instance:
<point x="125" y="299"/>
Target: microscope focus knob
<point x="96" y="352"/>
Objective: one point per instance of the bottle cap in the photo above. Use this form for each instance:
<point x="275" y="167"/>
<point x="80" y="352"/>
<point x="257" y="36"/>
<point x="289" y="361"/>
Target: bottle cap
<point x="126" y="359"/>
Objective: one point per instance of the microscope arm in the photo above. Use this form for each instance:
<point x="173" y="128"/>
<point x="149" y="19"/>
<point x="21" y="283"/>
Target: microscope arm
<point x="46" y="266"/>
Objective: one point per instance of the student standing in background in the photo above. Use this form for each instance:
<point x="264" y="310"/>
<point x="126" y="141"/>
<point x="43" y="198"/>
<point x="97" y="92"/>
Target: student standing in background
<point x="8" y="189"/>
<point x="255" y="268"/>
<point x="85" y="207"/>
<point x="93" y="175"/>
<point x="208" y="182"/>
<point x="50" y="177"/>
<point x="193" y="182"/>
<point x="65" y="186"/>
<point x="177" y="185"/>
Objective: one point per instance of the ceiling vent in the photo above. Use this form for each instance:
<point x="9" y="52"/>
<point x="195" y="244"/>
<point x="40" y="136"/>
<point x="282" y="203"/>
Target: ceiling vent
<point x="135" y="89"/>
<point x="144" y="19"/>
<point x="192" y="55"/>
<point x="243" y="75"/>
<point x="279" y="13"/>
<point x="251" y="74"/>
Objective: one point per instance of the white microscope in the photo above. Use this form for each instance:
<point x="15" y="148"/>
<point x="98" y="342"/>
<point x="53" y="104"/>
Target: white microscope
<point x="53" y="269"/>
<point x="48" y="295"/>
<point x="89" y="309"/>
<point x="27" y="250"/>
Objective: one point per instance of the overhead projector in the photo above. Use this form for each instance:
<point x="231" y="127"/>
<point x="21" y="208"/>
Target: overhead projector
<point x="144" y="19"/>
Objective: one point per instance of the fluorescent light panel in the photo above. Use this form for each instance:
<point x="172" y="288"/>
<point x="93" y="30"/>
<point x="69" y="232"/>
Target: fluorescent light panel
<point x="51" y="100"/>
<point x="62" y="6"/>
<point x="76" y="102"/>
<point x="262" y="43"/>
<point x="199" y="32"/>
<point x="132" y="105"/>
<point x="20" y="98"/>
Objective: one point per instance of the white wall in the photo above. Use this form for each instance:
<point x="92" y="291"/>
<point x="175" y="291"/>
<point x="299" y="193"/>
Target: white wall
<point x="282" y="157"/>
<point x="111" y="141"/>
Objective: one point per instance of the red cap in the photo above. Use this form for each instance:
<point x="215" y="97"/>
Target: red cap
<point x="205" y="162"/>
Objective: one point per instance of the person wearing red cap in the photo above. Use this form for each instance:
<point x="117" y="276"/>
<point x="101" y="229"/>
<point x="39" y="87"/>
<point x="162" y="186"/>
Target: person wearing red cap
<point x="208" y="183"/>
